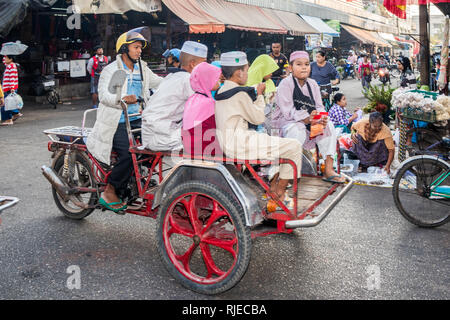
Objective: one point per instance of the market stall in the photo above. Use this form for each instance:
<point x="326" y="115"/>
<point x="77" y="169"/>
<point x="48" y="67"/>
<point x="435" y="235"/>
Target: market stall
<point x="423" y="106"/>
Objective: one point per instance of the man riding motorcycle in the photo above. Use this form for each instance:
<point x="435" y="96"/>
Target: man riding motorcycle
<point x="109" y="132"/>
<point x="383" y="70"/>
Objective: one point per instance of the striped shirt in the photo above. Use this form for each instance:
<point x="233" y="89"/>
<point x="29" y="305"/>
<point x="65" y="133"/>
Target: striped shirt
<point x="10" y="78"/>
<point x="408" y="79"/>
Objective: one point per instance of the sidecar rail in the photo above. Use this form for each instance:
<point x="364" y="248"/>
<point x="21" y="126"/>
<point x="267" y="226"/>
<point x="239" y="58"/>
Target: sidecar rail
<point x="7" y="202"/>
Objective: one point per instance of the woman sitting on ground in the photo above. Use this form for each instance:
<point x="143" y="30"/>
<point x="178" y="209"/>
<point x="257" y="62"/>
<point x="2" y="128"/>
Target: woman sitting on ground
<point x="373" y="143"/>
<point x="339" y="115"/>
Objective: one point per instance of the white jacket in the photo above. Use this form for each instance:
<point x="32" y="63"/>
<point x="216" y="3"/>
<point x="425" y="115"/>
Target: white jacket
<point x="161" y="124"/>
<point x="100" y="141"/>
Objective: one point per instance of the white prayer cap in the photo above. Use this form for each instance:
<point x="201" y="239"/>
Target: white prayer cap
<point x="195" y="48"/>
<point x="233" y="59"/>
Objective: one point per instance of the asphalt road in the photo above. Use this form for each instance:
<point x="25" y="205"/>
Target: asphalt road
<point x="364" y="238"/>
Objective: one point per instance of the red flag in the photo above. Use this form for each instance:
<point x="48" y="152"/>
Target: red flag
<point x="397" y="7"/>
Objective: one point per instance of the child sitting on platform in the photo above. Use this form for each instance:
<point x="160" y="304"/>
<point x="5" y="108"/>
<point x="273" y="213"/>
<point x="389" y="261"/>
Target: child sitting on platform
<point x="236" y="108"/>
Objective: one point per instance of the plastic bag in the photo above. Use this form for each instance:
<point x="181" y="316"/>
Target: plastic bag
<point x="13" y="102"/>
<point x="345" y="141"/>
<point x="317" y="129"/>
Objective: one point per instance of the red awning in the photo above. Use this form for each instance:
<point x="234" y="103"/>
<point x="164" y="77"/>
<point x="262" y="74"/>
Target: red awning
<point x="198" y="20"/>
<point x="240" y="16"/>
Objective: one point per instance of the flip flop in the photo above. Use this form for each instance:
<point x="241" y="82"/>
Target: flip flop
<point x="108" y="205"/>
<point x="331" y="179"/>
<point x="17" y="116"/>
<point x="6" y="124"/>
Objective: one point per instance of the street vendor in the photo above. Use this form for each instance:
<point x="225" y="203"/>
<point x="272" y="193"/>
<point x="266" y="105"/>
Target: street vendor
<point x="373" y="142"/>
<point x="298" y="103"/>
<point x="110" y="132"/>
<point x="162" y="121"/>
<point x="236" y="108"/>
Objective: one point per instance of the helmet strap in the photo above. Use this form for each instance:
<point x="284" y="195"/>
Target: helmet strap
<point x="132" y="60"/>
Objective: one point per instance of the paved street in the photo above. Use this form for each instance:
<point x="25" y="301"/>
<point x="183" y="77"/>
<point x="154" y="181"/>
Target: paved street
<point x="118" y="258"/>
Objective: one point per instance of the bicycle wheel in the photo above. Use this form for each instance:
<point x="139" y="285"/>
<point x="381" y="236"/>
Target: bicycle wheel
<point x="413" y="196"/>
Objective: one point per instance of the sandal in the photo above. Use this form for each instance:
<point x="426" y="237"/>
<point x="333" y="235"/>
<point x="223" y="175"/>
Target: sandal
<point x="332" y="179"/>
<point x="6" y="123"/>
<point x="17" y="116"/>
<point x="109" y="205"/>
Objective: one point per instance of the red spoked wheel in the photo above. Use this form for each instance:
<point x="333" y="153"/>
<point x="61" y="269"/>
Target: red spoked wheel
<point x="202" y="237"/>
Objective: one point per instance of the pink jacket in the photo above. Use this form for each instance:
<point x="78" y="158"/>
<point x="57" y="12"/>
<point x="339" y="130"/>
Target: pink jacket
<point x="200" y="106"/>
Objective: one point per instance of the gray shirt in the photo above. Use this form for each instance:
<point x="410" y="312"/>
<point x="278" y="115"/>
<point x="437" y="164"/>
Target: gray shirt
<point x="323" y="75"/>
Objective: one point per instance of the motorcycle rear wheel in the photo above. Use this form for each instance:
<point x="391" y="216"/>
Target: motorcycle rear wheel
<point x="53" y="98"/>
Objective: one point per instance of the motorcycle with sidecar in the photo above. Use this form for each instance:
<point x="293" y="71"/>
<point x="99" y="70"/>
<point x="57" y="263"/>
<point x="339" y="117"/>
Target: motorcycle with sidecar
<point x="208" y="209"/>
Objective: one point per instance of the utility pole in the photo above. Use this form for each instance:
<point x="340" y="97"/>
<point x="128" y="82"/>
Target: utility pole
<point x="424" y="45"/>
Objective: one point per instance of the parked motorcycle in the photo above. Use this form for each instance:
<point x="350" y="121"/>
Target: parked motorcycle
<point x="49" y="84"/>
<point x="45" y="85"/>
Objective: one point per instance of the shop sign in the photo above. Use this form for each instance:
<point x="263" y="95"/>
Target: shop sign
<point x="313" y="41"/>
<point x="77" y="68"/>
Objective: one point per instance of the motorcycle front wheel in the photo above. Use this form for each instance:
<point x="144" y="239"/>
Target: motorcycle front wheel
<point x="80" y="176"/>
<point x="53" y="98"/>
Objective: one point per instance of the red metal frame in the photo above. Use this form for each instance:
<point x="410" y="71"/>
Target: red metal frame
<point x="156" y="160"/>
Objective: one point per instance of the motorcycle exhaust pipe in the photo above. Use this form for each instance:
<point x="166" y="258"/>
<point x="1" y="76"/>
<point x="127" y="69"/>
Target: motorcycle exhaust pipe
<point x="59" y="185"/>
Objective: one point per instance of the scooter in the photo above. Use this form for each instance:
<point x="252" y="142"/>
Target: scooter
<point x="383" y="74"/>
<point x="349" y="71"/>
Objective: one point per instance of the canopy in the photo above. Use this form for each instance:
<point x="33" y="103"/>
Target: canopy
<point x="367" y="37"/>
<point x="117" y="6"/>
<point x="240" y="16"/>
<point x="320" y="25"/>
<point x="295" y="25"/>
<point x="190" y="12"/>
<point x="379" y="40"/>
<point x="359" y="34"/>
<point x="387" y="36"/>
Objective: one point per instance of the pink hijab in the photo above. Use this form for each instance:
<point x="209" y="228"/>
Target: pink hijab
<point x="200" y="106"/>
